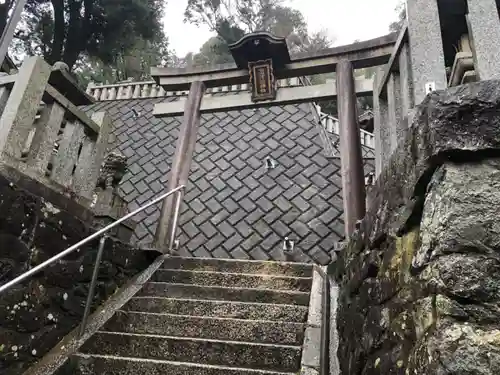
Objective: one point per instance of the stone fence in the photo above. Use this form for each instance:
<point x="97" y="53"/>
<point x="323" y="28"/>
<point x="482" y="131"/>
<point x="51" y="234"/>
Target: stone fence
<point x="45" y="135"/>
<point x="439" y="47"/>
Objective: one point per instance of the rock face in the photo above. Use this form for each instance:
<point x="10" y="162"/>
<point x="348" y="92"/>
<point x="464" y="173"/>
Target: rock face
<point x="35" y="315"/>
<point x="420" y="280"/>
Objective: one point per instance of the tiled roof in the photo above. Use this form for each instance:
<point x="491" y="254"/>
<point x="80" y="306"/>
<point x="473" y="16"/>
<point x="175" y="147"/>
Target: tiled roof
<point x="234" y="207"/>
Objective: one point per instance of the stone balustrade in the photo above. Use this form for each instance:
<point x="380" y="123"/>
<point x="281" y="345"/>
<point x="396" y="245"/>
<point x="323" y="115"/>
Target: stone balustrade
<point x="393" y="100"/>
<point x="149" y="89"/>
<point x="331" y="124"/>
<point x="46" y="136"/>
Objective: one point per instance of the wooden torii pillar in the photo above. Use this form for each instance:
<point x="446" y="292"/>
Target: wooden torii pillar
<point x="181" y="164"/>
<point x="255" y="52"/>
<point x="351" y="157"/>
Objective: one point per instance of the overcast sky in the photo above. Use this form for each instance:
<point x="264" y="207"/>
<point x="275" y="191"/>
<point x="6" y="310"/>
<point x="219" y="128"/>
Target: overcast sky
<point x="346" y="20"/>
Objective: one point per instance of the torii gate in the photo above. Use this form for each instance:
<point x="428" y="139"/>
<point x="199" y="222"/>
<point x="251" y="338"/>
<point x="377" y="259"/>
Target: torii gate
<point x="261" y="59"/>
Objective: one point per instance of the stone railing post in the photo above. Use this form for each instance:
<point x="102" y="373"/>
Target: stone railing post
<point x="381" y="117"/>
<point x="426" y="46"/>
<point x="91" y="156"/>
<point x="67" y="154"/>
<point x="395" y="125"/>
<point x="22" y="105"/>
<point x="406" y="82"/>
<point x="45" y="136"/>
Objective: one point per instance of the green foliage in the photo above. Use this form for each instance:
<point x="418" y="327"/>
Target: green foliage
<point x="231" y="19"/>
<point x="134" y="64"/>
<point x="65" y="30"/>
<point x="401" y="11"/>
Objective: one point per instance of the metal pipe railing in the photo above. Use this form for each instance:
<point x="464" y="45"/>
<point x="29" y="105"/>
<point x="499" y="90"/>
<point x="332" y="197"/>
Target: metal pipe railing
<point x="102" y="232"/>
<point x="324" y="358"/>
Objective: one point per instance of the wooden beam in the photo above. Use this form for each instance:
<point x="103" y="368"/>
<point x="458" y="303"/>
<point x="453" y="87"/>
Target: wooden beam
<point x="286" y="95"/>
<point x="365" y="54"/>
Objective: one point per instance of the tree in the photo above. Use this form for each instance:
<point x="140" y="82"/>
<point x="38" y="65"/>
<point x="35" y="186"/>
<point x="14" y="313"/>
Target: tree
<point x="231" y="19"/>
<point x="63" y="30"/>
<point x="401" y="11"/>
<point x="134" y="64"/>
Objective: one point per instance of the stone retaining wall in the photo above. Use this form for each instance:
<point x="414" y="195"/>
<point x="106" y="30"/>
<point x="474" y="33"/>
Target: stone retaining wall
<point x="420" y="279"/>
<point x="36" y="315"/>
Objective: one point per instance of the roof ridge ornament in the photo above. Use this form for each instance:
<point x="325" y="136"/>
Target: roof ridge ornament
<point x="261" y="53"/>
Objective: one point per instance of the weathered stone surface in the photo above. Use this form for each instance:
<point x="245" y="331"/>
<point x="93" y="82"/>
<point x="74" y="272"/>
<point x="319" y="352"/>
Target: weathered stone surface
<point x="92" y="364"/>
<point x="420" y="280"/>
<point x="225" y="294"/>
<point x="207" y="328"/>
<point x="240" y="266"/>
<point x="454" y="125"/>
<point x="237" y="310"/>
<point x="234" y="280"/>
<point x="461" y="211"/>
<point x="35" y="315"/>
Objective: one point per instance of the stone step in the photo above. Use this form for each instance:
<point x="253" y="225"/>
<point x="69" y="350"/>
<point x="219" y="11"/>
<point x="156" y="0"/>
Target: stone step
<point x="201" y="351"/>
<point x="240" y="266"/>
<point x="222" y="309"/>
<point x="233" y="280"/>
<point x="258" y="331"/>
<point x="171" y="290"/>
<point x="84" y="364"/>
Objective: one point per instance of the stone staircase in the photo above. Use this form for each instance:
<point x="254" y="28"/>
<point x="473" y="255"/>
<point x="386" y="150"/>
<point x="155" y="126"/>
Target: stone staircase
<point x="205" y="316"/>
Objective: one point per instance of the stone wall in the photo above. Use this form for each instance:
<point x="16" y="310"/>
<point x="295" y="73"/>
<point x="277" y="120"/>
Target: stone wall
<point x="36" y="315"/>
<point x="233" y="206"/>
<point x="420" y="279"/>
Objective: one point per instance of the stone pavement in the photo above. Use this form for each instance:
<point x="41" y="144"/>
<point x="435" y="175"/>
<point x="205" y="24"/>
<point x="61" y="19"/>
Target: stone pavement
<point x="234" y="207"/>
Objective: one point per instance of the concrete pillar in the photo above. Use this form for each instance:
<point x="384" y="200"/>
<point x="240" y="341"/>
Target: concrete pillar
<point x="22" y="105"/>
<point x="353" y="180"/>
<point x="181" y="164"/>
<point x="91" y="157"/>
<point x="484" y="30"/>
<point x="381" y="117"/>
<point x="396" y="128"/>
<point x="426" y="46"/>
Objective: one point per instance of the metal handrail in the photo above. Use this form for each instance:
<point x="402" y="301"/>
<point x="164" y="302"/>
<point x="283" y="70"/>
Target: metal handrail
<point x="102" y="232"/>
<point x="324" y="358"/>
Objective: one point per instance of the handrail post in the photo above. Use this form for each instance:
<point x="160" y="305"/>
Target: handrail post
<point x="175" y="219"/>
<point x="324" y="355"/>
<point x="93" y="283"/>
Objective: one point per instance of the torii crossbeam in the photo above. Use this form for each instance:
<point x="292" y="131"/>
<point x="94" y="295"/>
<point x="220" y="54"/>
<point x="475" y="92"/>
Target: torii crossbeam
<point x="262" y="59"/>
